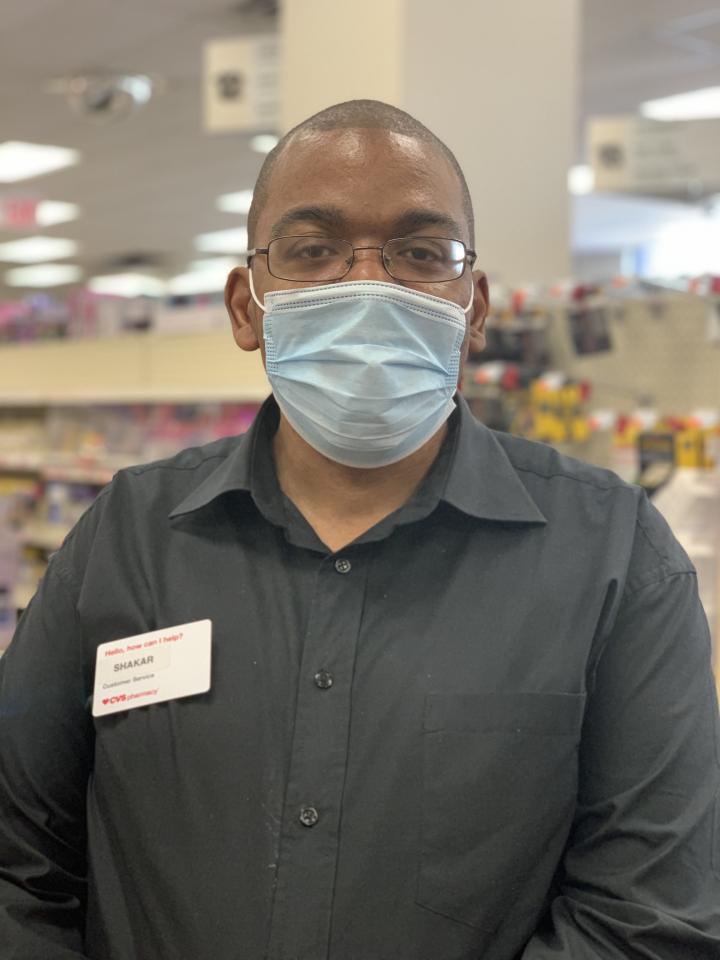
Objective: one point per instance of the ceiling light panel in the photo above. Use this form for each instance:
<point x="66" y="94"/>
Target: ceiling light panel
<point x="197" y="281"/>
<point x="127" y="285"/>
<point x="697" y="105"/>
<point x="37" y="250"/>
<point x="213" y="264"/>
<point x="264" y="142"/>
<point x="204" y="276"/>
<point x="45" y="275"/>
<point x="23" y="161"/>
<point x="235" y="202"/>
<point x="51" y="212"/>
<point x="223" y="241"/>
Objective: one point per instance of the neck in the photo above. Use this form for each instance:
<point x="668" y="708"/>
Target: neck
<point x="341" y="502"/>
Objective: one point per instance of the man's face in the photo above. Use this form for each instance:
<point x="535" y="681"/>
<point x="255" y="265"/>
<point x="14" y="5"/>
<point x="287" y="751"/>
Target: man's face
<point x="365" y="186"/>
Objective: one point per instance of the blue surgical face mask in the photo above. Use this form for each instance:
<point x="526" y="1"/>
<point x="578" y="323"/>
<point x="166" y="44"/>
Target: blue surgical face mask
<point x="364" y="371"/>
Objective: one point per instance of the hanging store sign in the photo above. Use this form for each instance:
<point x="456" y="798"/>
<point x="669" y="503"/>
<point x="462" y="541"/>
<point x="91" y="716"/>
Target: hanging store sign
<point x="18" y="212"/>
<point x="241" y="84"/>
<point x="636" y="155"/>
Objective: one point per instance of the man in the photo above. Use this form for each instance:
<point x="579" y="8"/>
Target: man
<point x="460" y="704"/>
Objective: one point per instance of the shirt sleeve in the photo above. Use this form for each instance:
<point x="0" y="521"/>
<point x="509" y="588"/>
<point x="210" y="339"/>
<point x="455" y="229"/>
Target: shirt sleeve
<point x="45" y="757"/>
<point x="640" y="878"/>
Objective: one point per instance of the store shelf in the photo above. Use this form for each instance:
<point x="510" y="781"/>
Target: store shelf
<point x="117" y="397"/>
<point x="93" y="476"/>
<point x="134" y="368"/>
<point x="22" y="597"/>
<point x="20" y="462"/>
<point x="46" y="536"/>
<point x="49" y="467"/>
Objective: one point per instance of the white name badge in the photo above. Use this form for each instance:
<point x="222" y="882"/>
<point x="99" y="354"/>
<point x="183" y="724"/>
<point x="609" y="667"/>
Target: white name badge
<point x="152" y="667"/>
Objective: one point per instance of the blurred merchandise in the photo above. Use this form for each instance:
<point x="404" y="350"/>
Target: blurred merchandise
<point x="55" y="460"/>
<point x="17" y="496"/>
<point x="82" y="314"/>
<point x="558" y="410"/>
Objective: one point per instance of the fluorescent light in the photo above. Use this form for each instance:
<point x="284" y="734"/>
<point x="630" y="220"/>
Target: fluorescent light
<point x="235" y="202"/>
<point x="50" y="212"/>
<point x="127" y="285"/>
<point x="204" y="276"/>
<point x="46" y="275"/>
<point x="581" y="180"/>
<point x="213" y="264"/>
<point x="697" y="105"/>
<point x="37" y="249"/>
<point x="22" y="161"/>
<point x="223" y="241"/>
<point x="187" y="284"/>
<point x="685" y="248"/>
<point x="264" y="142"/>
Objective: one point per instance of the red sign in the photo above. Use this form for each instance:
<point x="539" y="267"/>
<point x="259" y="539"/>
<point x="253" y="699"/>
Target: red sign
<point x="18" y="213"/>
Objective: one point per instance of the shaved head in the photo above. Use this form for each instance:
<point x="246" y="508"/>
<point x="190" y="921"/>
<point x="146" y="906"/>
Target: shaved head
<point x="354" y="114"/>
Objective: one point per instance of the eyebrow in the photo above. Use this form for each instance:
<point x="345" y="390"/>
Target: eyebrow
<point x="413" y="220"/>
<point x="334" y="219"/>
<point x="323" y="216"/>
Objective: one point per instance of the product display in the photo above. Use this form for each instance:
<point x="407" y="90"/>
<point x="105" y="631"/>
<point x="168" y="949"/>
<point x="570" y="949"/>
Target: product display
<point x="54" y="462"/>
<point x="84" y="314"/>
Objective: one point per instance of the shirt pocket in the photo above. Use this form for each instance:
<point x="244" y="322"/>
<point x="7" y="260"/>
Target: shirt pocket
<point x="499" y="792"/>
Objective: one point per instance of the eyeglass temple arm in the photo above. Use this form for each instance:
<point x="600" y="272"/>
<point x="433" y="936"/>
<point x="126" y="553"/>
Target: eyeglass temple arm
<point x="249" y="254"/>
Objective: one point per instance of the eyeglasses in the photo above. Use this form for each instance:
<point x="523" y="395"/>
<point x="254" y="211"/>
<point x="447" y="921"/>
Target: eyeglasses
<point x="316" y="259"/>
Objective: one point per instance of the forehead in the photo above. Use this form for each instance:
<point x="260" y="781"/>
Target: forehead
<point x="372" y="177"/>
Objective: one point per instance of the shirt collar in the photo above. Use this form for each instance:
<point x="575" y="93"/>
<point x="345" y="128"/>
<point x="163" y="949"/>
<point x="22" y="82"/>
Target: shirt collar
<point x="481" y="481"/>
<point x="236" y="470"/>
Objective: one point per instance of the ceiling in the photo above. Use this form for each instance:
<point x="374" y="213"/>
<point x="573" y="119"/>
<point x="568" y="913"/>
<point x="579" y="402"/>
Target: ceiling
<point x="636" y="50"/>
<point x="148" y="185"/>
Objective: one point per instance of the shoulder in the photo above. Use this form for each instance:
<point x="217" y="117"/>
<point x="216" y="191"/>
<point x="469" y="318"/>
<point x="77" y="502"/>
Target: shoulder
<point x="529" y="457"/>
<point x="134" y="507"/>
<point x="597" y="502"/>
<point x="197" y="460"/>
<point x="155" y="488"/>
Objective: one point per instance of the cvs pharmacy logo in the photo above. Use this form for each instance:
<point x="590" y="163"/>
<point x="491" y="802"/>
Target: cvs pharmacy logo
<point x="119" y="698"/>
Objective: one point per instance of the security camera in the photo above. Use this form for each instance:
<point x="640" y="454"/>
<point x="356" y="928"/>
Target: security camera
<point x="105" y="97"/>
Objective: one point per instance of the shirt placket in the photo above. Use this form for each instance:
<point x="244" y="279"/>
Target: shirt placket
<point x="309" y="841"/>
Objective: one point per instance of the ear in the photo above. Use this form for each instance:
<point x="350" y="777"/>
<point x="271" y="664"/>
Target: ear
<point x="478" y="316"/>
<point x="242" y="310"/>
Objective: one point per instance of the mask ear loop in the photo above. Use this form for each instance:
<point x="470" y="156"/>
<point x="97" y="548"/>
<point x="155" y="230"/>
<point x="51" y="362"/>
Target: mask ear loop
<point x="468" y="308"/>
<point x="252" y="291"/>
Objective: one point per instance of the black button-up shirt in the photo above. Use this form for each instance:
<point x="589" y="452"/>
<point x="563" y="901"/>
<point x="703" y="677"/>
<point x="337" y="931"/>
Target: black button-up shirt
<point x="486" y="728"/>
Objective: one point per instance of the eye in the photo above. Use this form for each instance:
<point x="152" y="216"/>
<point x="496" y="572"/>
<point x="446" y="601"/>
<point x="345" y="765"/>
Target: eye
<point x="420" y="251"/>
<point x="316" y="251"/>
<point x="312" y="249"/>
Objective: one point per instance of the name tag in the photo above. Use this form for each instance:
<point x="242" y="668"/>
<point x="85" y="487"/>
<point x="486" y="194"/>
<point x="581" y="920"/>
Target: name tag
<point x="152" y="667"/>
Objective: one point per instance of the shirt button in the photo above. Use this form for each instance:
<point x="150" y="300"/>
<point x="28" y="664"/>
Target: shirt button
<point x="343" y="566"/>
<point x="323" y="679"/>
<point x="309" y="816"/>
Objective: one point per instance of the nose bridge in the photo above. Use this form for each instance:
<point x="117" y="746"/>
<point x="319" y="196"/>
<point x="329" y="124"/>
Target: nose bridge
<point x="368" y="265"/>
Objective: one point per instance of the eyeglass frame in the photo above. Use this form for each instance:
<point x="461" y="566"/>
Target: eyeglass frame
<point x="469" y="258"/>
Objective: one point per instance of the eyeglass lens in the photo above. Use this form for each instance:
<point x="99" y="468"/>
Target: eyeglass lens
<point x="418" y="259"/>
